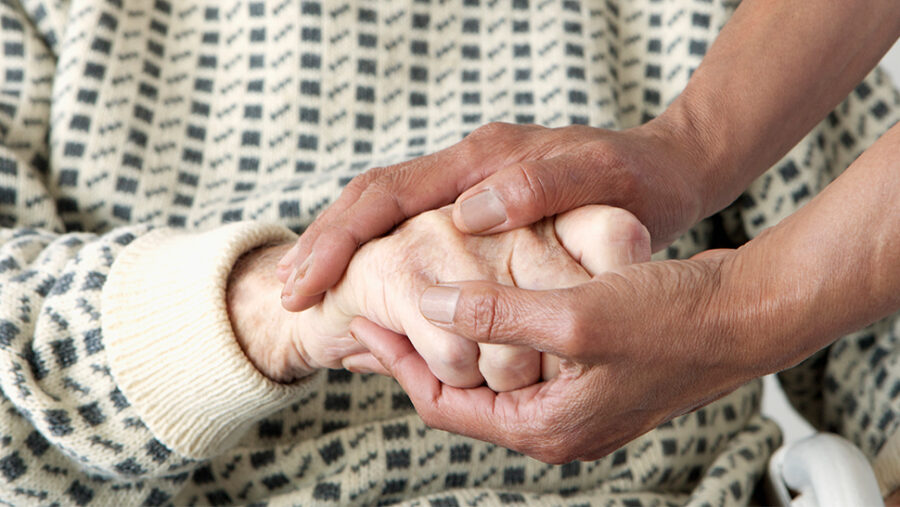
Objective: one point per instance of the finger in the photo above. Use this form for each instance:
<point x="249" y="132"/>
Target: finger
<point x="602" y="238"/>
<point x="522" y="194"/>
<point x="285" y="264"/>
<point x="293" y="301"/>
<point x="508" y="367"/>
<point x="364" y="363"/>
<point x="295" y="257"/>
<point x="479" y="412"/>
<point x="301" y="249"/>
<point x="547" y="321"/>
<point x="549" y="366"/>
<point x="452" y="359"/>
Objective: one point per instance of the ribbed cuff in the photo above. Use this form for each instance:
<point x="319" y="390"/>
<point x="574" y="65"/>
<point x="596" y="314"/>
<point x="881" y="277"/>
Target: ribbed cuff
<point x="169" y="339"/>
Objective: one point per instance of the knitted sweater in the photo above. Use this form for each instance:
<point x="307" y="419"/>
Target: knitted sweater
<point x="144" y="146"/>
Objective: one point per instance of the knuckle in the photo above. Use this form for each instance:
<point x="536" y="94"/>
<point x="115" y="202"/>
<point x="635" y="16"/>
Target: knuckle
<point x="455" y="353"/>
<point x="492" y="130"/>
<point x="575" y="331"/>
<point x="339" y="234"/>
<point x="506" y="358"/>
<point x="573" y="133"/>
<point x="481" y="313"/>
<point x="616" y="163"/>
<point x="436" y="227"/>
<point x="561" y="140"/>
<point x="381" y="179"/>
<point x="492" y="138"/>
<point x="604" y="152"/>
<point x="506" y="368"/>
<point x="625" y="227"/>
<point x="438" y="220"/>
<point x="533" y="183"/>
<point x="362" y="181"/>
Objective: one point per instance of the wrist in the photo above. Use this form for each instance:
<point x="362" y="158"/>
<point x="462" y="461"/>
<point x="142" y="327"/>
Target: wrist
<point x="711" y="160"/>
<point x="676" y="189"/>
<point x="260" y="325"/>
<point x="769" y="303"/>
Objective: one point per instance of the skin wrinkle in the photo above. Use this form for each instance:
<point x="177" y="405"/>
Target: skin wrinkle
<point x="534" y="185"/>
<point x="507" y="266"/>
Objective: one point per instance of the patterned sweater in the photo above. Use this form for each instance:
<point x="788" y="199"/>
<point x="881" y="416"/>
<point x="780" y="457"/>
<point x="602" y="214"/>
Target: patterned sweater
<point x="144" y="146"/>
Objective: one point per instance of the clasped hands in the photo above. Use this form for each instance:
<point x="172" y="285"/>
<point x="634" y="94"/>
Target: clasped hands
<point x="582" y="345"/>
<point x="389" y="279"/>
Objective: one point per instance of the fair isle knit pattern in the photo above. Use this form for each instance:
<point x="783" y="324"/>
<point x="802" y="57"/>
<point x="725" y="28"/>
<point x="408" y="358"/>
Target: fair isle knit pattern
<point x="145" y="145"/>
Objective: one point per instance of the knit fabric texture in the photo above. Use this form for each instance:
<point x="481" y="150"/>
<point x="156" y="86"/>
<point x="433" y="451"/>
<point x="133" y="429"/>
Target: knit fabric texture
<point x="146" y="145"/>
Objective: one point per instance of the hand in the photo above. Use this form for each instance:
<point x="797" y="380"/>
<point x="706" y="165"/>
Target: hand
<point x="741" y="111"/>
<point x="277" y="341"/>
<point x="639" y="346"/>
<point x="515" y="176"/>
<point x="646" y="343"/>
<point x="387" y="278"/>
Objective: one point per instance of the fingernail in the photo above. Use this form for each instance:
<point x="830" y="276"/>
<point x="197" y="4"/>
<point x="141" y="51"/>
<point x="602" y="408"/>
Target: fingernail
<point x="290" y="256"/>
<point x="360" y="363"/>
<point x="482" y="211"/>
<point x="358" y="368"/>
<point x="637" y="252"/>
<point x="288" y="289"/>
<point x="438" y="303"/>
<point x="292" y="285"/>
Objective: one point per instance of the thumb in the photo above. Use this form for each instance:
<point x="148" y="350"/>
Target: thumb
<point x="522" y="194"/>
<point x="485" y="312"/>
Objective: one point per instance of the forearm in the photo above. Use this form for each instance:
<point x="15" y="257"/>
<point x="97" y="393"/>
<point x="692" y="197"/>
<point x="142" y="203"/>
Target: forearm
<point x="775" y="70"/>
<point x="831" y="268"/>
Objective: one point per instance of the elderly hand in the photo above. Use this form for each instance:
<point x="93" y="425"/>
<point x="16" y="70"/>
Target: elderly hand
<point x="386" y="280"/>
<point x="515" y="176"/>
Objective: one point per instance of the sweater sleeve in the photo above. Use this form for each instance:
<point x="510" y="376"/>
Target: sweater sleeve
<point x="116" y="349"/>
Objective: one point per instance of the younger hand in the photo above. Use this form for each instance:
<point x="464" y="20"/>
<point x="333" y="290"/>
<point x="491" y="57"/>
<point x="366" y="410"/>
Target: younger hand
<point x="639" y="346"/>
<point x="506" y="176"/>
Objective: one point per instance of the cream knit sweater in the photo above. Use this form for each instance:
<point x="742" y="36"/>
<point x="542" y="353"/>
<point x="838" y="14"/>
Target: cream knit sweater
<point x="145" y="145"/>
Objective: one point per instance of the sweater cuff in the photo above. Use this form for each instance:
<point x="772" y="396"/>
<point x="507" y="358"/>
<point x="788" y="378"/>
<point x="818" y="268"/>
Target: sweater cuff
<point x="169" y="339"/>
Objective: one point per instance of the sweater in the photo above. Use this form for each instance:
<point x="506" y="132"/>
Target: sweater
<point x="145" y="146"/>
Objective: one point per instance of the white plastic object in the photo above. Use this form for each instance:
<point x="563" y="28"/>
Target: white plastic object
<point x="825" y="470"/>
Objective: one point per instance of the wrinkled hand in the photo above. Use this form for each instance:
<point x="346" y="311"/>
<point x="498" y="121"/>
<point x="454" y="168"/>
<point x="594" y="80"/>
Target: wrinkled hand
<point x="639" y="346"/>
<point x="508" y="176"/>
<point x="387" y="278"/>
